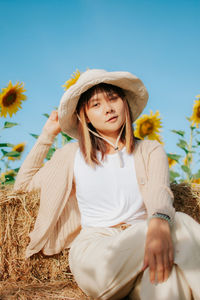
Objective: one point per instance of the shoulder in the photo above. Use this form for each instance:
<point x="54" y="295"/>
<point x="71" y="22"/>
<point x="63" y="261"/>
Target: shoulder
<point x="68" y="150"/>
<point x="148" y="145"/>
<point x="150" y="148"/>
<point x="71" y="146"/>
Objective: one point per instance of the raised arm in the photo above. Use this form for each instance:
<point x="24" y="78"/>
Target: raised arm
<point x="30" y="174"/>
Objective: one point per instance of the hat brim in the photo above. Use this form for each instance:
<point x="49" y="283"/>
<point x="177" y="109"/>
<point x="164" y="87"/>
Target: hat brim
<point x="135" y="91"/>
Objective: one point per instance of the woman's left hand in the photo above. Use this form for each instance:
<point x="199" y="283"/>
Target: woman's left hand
<point x="159" y="254"/>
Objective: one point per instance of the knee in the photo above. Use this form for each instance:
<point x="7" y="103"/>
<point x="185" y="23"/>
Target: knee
<point x="89" y="275"/>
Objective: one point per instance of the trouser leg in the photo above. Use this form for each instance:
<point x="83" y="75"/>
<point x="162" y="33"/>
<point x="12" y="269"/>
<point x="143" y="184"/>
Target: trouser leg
<point x="176" y="288"/>
<point x="135" y="292"/>
<point x="186" y="240"/>
<point x="105" y="261"/>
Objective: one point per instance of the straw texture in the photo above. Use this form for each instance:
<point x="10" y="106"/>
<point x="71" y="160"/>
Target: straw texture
<point x="49" y="277"/>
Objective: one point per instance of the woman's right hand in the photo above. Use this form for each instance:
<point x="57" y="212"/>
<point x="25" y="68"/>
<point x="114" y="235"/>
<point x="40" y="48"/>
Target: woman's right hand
<point x="52" y="125"/>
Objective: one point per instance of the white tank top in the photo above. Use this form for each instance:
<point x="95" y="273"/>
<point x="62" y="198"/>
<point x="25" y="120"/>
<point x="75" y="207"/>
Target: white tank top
<point x="108" y="194"/>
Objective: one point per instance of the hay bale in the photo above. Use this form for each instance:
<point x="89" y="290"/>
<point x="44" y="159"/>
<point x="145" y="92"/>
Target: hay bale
<point x="47" y="277"/>
<point x="39" y="275"/>
<point x="40" y="291"/>
<point x="187" y="199"/>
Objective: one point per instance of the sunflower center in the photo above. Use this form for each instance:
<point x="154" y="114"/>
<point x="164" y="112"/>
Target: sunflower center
<point x="19" y="149"/>
<point x="198" y="112"/>
<point x="9" y="98"/>
<point x="146" y="128"/>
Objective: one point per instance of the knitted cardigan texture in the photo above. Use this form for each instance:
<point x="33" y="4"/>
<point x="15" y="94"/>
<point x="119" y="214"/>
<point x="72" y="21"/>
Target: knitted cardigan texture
<point x="58" y="220"/>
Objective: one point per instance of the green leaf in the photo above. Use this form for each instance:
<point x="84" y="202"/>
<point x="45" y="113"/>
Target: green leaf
<point x="173" y="175"/>
<point x="4" y="152"/>
<point x="50" y="153"/>
<point x="66" y="136"/>
<point x="192" y="127"/>
<point x="190" y="151"/>
<point x="6" y="145"/>
<point x="9" y="124"/>
<point x="16" y="170"/>
<point x="12" y="154"/>
<point x="188" y="119"/>
<point x="198" y="142"/>
<point x="46" y="115"/>
<point x="179" y="132"/>
<point x="9" y="179"/>
<point x="197" y="175"/>
<point x="176" y="157"/>
<point x="186" y="169"/>
<point x="183" y="145"/>
<point x="34" y="135"/>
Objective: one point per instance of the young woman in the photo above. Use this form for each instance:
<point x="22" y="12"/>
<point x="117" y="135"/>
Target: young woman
<point x="108" y="198"/>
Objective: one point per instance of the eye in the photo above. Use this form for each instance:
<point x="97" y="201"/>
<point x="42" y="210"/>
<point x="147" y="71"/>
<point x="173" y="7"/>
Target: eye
<point x="114" y="98"/>
<point x="96" y="104"/>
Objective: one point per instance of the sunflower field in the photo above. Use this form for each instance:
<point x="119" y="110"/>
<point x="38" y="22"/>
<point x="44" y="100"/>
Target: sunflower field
<point x="146" y="127"/>
<point x="180" y="165"/>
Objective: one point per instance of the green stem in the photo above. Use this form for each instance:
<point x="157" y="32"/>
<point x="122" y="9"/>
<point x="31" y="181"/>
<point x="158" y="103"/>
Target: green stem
<point x="190" y="154"/>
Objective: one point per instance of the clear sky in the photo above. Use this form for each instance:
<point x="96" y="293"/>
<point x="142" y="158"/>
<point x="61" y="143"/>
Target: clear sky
<point x="42" y="42"/>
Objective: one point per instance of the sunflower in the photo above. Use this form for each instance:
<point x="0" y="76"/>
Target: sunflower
<point x="74" y="77"/>
<point x="7" y="173"/>
<point x="171" y="162"/>
<point x="196" y="181"/>
<point x="148" y="127"/>
<point x="195" y="118"/>
<point x="11" y="98"/>
<point x="19" y="148"/>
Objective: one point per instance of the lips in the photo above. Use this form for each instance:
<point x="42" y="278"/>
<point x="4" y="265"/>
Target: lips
<point x="112" y="119"/>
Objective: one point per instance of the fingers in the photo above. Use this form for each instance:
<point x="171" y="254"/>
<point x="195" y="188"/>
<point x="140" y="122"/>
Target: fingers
<point x="167" y="267"/>
<point x="160" y="264"/>
<point x="171" y="256"/>
<point x="145" y="264"/>
<point x="152" y="269"/>
<point x="54" y="115"/>
<point x="160" y="268"/>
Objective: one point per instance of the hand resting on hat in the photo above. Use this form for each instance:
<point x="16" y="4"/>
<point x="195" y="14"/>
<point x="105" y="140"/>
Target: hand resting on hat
<point x="52" y="125"/>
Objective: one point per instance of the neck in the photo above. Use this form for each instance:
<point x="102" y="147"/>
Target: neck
<point x="115" y="145"/>
<point x="112" y="137"/>
<point x="111" y="150"/>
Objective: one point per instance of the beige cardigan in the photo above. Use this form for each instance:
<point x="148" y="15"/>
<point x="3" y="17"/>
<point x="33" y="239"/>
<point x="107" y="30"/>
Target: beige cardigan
<point x="58" y="220"/>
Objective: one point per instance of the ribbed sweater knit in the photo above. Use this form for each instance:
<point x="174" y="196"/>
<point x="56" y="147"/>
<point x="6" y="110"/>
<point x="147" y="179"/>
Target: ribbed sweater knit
<point x="58" y="220"/>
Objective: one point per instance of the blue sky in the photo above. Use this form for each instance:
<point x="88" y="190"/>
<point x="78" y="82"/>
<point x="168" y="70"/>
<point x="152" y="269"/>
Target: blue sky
<point x="44" y="42"/>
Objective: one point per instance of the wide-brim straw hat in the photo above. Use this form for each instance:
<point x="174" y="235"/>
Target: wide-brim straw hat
<point x="135" y="91"/>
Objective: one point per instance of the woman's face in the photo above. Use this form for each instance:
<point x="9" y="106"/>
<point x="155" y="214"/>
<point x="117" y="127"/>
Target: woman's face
<point x="106" y="113"/>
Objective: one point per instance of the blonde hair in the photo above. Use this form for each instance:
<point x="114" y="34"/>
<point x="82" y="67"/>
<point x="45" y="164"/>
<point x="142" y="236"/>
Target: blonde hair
<point x="88" y="142"/>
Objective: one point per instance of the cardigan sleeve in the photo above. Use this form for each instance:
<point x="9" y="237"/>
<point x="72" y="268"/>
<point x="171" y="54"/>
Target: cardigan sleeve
<point x="159" y="194"/>
<point x="31" y="171"/>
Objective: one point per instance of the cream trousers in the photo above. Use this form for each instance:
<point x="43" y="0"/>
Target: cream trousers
<point x="106" y="263"/>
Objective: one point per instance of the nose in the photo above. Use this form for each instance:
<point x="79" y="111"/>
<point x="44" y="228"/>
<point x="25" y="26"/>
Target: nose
<point x="108" y="107"/>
